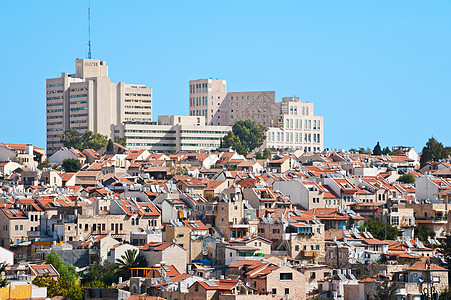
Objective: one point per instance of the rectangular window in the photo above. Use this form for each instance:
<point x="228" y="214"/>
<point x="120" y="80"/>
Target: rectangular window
<point x="274" y="291"/>
<point x="287" y="291"/>
<point x="286" y="276"/>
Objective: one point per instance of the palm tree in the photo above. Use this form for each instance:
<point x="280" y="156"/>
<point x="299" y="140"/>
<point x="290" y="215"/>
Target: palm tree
<point x="131" y="259"/>
<point x="3" y="279"/>
<point x="386" y="291"/>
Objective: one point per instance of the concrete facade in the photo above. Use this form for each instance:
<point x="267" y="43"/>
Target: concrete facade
<point x="173" y="133"/>
<point x="88" y="100"/>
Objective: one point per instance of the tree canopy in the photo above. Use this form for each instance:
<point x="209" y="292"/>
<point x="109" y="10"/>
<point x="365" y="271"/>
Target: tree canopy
<point x="434" y="151"/>
<point x="89" y="140"/>
<point x="105" y="273"/>
<point x="377" y="149"/>
<point x="407" y="178"/>
<point x="71" y="165"/>
<point x="262" y="155"/>
<point x="380" y="230"/>
<point x="120" y="140"/>
<point x="66" y="271"/>
<point x="110" y="147"/>
<point x="244" y="137"/>
<point x="3" y="278"/>
<point x="131" y="259"/>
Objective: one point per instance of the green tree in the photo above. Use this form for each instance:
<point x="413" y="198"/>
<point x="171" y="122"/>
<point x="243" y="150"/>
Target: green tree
<point x="70" y="290"/>
<point x="386" y="291"/>
<point x="407" y="178"/>
<point x="379" y="230"/>
<point x="44" y="164"/>
<point x="94" y="141"/>
<point x="365" y="151"/>
<point x="263" y="155"/>
<point x="247" y="136"/>
<point x="66" y="271"/>
<point x="105" y="273"/>
<point x="110" y="147"/>
<point x="230" y="140"/>
<point x="3" y="279"/>
<point x="71" y="165"/>
<point x="52" y="285"/>
<point x="71" y="138"/>
<point x="131" y="259"/>
<point x="377" y="149"/>
<point x="422" y="233"/>
<point x="121" y="140"/>
<point x="434" y="151"/>
<point x="386" y="151"/>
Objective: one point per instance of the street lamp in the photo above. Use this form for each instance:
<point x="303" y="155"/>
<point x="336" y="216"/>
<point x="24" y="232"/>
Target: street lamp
<point x="429" y="292"/>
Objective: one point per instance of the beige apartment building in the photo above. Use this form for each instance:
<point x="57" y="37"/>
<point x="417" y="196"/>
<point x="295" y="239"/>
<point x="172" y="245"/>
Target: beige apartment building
<point x="291" y="123"/>
<point x="205" y="98"/>
<point x="88" y="100"/>
<point x="173" y="133"/>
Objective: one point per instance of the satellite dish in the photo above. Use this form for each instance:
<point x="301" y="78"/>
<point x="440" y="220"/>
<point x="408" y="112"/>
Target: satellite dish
<point x="174" y="240"/>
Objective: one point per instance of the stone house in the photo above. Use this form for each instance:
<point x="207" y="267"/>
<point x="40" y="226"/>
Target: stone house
<point x="279" y="281"/>
<point x="156" y="253"/>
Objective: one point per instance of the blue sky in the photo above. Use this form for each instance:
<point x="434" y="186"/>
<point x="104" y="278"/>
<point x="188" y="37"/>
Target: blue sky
<point x="376" y="70"/>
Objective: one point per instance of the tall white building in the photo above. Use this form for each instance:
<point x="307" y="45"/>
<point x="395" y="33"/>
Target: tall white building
<point x="88" y="100"/>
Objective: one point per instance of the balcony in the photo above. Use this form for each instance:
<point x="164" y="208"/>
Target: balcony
<point x="434" y="220"/>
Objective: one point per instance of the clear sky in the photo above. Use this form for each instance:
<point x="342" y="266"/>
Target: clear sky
<point x="376" y="70"/>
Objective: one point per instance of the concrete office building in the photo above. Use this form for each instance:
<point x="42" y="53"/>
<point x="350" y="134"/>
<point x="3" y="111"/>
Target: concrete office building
<point x="172" y="133"/>
<point x="205" y="98"/>
<point x="88" y="100"/>
<point x="291" y="123"/>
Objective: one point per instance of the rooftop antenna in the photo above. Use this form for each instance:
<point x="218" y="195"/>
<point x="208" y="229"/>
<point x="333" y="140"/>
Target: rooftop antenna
<point x="89" y="29"/>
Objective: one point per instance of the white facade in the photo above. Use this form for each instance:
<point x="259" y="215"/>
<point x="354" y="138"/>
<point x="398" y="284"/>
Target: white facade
<point x="298" y="128"/>
<point x="118" y="251"/>
<point x="6" y="256"/>
<point x="173" y="133"/>
<point x="88" y="100"/>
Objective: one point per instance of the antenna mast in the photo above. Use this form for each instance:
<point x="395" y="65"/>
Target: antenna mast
<point x="89" y="29"/>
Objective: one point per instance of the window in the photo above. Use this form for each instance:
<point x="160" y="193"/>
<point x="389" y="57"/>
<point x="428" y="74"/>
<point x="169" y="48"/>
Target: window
<point x="196" y="288"/>
<point x="17" y="227"/>
<point x="274" y="291"/>
<point x="287" y="291"/>
<point x="395" y="220"/>
<point x="296" y="248"/>
<point x="286" y="276"/>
